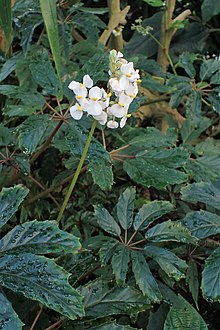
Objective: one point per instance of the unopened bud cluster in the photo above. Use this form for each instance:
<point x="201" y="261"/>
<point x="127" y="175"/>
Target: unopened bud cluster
<point x="107" y="107"/>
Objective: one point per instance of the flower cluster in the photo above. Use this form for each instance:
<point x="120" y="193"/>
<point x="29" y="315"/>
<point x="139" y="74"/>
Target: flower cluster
<point x="96" y="101"/>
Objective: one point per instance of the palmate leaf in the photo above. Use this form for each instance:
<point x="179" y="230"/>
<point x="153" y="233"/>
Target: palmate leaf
<point x="38" y="237"/>
<point x="40" y="279"/>
<point x="31" y="131"/>
<point x="170" y="231"/>
<point x="119" y="262"/>
<point x="144" y="277"/>
<point x="184" y="317"/>
<point x="210" y="8"/>
<point x="148" y="213"/>
<point x="202" y="192"/>
<point x="106" y="221"/>
<point x="172" y="265"/>
<point x="125" y="207"/>
<point x="8" y="318"/>
<point x="102" y="299"/>
<point x="202" y="224"/>
<point x="211" y="277"/>
<point x="10" y="200"/>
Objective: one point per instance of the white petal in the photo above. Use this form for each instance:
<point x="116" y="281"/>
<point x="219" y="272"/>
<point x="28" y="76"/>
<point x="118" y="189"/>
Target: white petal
<point x="127" y="68"/>
<point x="114" y="83"/>
<point x="123" y="121"/>
<point x="73" y="84"/>
<point x="123" y="83"/>
<point x="87" y="81"/>
<point x="95" y="93"/>
<point x="94" y="109"/>
<point x="112" y="124"/>
<point x="125" y="99"/>
<point x="75" y="113"/>
<point x="102" y="119"/>
<point x="117" y="111"/>
<point x="119" y="54"/>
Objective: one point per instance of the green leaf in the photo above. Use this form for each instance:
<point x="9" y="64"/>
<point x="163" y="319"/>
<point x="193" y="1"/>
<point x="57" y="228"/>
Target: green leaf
<point x="191" y="132"/>
<point x="8" y="318"/>
<point x="125" y="207"/>
<point x="193" y="106"/>
<point x="106" y="221"/>
<point x="210" y="8"/>
<point x="49" y="13"/>
<point x="38" y="237"/>
<point x="186" y="62"/>
<point x="172" y="265"/>
<point x="120" y="260"/>
<point x="31" y="131"/>
<point x="208" y="68"/>
<point x="43" y="73"/>
<point x="202" y="224"/>
<point x="184" y="317"/>
<point x="6" y="136"/>
<point x="151" y="137"/>
<point x="6" y="22"/>
<point x="214" y="99"/>
<point x="89" y="24"/>
<point x="211" y="277"/>
<point x="107" y="249"/>
<point x="102" y="299"/>
<point x="112" y="326"/>
<point x="157" y="168"/>
<point x="40" y="279"/>
<point x="96" y="66"/>
<point x="215" y="80"/>
<point x="102" y="174"/>
<point x="193" y="281"/>
<point x="144" y="277"/>
<point x="154" y="3"/>
<point x="9" y="66"/>
<point x="202" y="192"/>
<point x="10" y="200"/>
<point x="151" y="212"/>
<point x="30" y="97"/>
<point x="170" y="231"/>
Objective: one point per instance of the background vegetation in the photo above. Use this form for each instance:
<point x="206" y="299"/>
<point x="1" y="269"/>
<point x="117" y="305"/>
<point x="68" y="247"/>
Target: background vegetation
<point x="138" y="245"/>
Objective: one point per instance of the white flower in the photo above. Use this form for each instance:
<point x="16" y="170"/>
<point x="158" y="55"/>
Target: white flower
<point x="80" y="89"/>
<point x="102" y="119"/>
<point x="128" y="75"/>
<point x="76" y="111"/>
<point x="112" y="124"/>
<point x="92" y="105"/>
<point x="132" y="90"/>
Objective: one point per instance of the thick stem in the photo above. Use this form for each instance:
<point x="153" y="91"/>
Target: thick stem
<point x="76" y="175"/>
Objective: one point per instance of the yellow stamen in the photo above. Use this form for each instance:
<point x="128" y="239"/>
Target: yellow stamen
<point x="109" y="94"/>
<point x="139" y="81"/>
<point x="81" y="85"/>
<point x="79" y="96"/>
<point x="131" y="95"/>
<point x="79" y="108"/>
<point x="121" y="104"/>
<point x="128" y="75"/>
<point x="129" y="115"/>
<point x="94" y="99"/>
